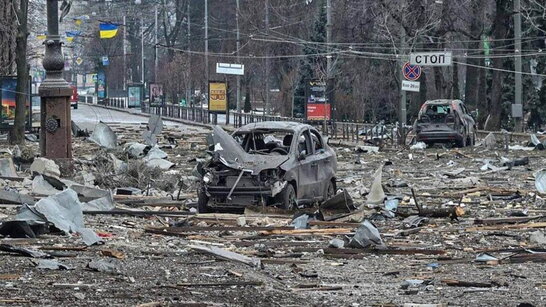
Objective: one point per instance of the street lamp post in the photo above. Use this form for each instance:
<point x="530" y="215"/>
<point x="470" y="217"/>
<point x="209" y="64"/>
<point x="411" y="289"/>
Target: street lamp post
<point x="55" y="92"/>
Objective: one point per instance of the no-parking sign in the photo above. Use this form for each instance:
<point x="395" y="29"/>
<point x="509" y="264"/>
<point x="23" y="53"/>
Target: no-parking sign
<point x="411" y="72"/>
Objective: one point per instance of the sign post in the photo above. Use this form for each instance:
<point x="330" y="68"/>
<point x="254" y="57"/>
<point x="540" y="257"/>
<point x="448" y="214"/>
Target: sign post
<point x="317" y="104"/>
<point x="218" y="103"/>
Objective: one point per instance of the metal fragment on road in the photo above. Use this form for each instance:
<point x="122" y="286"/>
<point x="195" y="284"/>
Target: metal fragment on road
<point x="366" y="235"/>
<point x="7" y="169"/>
<point x="376" y="195"/>
<point x="155" y="125"/>
<point x="50" y="264"/>
<point x="103" y="266"/>
<point x="104" y="136"/>
<point x="540" y="181"/>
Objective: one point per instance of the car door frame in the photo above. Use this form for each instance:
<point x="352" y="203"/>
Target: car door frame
<point x="324" y="171"/>
<point x="306" y="173"/>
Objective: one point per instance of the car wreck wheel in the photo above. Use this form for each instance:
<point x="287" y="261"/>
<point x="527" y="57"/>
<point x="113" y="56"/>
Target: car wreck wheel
<point x="288" y="197"/>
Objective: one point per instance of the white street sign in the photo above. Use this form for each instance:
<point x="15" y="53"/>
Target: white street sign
<point x="410" y="86"/>
<point x="230" y="69"/>
<point x="431" y="58"/>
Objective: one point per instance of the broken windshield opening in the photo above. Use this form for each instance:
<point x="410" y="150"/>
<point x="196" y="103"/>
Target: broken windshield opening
<point x="436" y="113"/>
<point x="266" y="142"/>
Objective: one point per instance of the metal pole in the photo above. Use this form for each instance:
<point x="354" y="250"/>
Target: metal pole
<point x="124" y="53"/>
<point x="188" y="90"/>
<point x="267" y="61"/>
<point x="206" y="47"/>
<point x="155" y="45"/>
<point x="328" y="55"/>
<point x="142" y="49"/>
<point x="402" y="117"/>
<point x="518" y="66"/>
<point x="238" y="59"/>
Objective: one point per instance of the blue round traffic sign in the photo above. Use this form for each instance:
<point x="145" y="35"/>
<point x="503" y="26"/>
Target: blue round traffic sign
<point x="411" y="72"/>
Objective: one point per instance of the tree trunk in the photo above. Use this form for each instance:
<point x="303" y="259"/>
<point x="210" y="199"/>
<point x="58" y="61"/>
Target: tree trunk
<point x="7" y="39"/>
<point x="472" y="85"/>
<point x="21" y="97"/>
<point x="455" y="91"/>
<point x="500" y="32"/>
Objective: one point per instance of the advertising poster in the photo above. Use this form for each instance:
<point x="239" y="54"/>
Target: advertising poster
<point x="218" y="97"/>
<point x="134" y="95"/>
<point x="101" y="84"/>
<point x="156" y="95"/>
<point x="317" y="106"/>
<point x="9" y="85"/>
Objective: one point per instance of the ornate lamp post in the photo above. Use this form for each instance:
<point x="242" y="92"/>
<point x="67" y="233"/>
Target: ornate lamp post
<point x="55" y="92"/>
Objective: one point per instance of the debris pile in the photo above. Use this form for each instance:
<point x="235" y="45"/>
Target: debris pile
<point x="434" y="226"/>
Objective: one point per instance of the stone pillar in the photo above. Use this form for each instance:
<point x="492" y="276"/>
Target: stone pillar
<point x="55" y="92"/>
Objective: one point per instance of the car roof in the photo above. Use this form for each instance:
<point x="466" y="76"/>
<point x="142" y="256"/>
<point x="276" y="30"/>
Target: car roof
<point x="442" y="101"/>
<point x="275" y="125"/>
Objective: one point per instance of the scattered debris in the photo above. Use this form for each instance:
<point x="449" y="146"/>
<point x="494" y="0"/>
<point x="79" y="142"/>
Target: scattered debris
<point x="155" y="125"/>
<point x="7" y="169"/>
<point x="376" y="195"/>
<point x="227" y="255"/>
<point x="366" y="235"/>
<point x="104" y="136"/>
<point x="64" y="211"/>
<point x="103" y="266"/>
<point x="50" y="264"/>
<point x="418" y="146"/>
<point x="45" y="166"/>
<point x="540" y="181"/>
<point x="27" y="252"/>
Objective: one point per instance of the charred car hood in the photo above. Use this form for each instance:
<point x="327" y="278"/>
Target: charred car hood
<point x="227" y="151"/>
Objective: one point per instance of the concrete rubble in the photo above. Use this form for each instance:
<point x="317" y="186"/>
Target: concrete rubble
<point x="435" y="226"/>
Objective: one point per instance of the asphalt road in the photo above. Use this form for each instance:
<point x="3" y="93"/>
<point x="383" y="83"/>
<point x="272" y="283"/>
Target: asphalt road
<point x="87" y="116"/>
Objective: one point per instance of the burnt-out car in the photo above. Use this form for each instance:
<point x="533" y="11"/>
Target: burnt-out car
<point x="268" y="163"/>
<point x="445" y="121"/>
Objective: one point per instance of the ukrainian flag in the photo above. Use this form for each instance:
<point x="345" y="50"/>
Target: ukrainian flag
<point x="41" y="36"/>
<point x="70" y="35"/>
<point x="108" y="30"/>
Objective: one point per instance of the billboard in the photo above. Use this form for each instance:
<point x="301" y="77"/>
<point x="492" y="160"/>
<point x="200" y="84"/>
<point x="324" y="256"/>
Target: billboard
<point x="101" y="84"/>
<point x="317" y="106"/>
<point x="218" y="97"/>
<point x="156" y="95"/>
<point x="134" y="95"/>
<point x="8" y="90"/>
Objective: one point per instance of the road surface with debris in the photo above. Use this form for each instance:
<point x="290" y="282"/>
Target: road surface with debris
<point x="470" y="234"/>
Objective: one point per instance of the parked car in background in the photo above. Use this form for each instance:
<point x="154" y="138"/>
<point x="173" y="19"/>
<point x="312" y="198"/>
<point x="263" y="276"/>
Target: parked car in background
<point x="445" y="121"/>
<point x="267" y="163"/>
<point x="74" y="98"/>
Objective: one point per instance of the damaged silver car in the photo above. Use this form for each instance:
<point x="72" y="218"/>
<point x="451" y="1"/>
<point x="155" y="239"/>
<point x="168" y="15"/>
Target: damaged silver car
<point x="445" y="121"/>
<point x="268" y="163"/>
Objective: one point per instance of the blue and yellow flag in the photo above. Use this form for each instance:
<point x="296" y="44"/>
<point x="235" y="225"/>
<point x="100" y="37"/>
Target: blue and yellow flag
<point x="41" y="36"/>
<point x="108" y="30"/>
<point x="70" y="35"/>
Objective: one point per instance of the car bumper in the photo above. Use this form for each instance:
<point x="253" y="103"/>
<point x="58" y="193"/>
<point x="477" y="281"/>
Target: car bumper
<point x="438" y="136"/>
<point x="240" y="197"/>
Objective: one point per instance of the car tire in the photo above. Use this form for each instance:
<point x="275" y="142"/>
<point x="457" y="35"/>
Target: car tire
<point x="202" y="201"/>
<point x="287" y="197"/>
<point x="462" y="142"/>
<point x="330" y="190"/>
